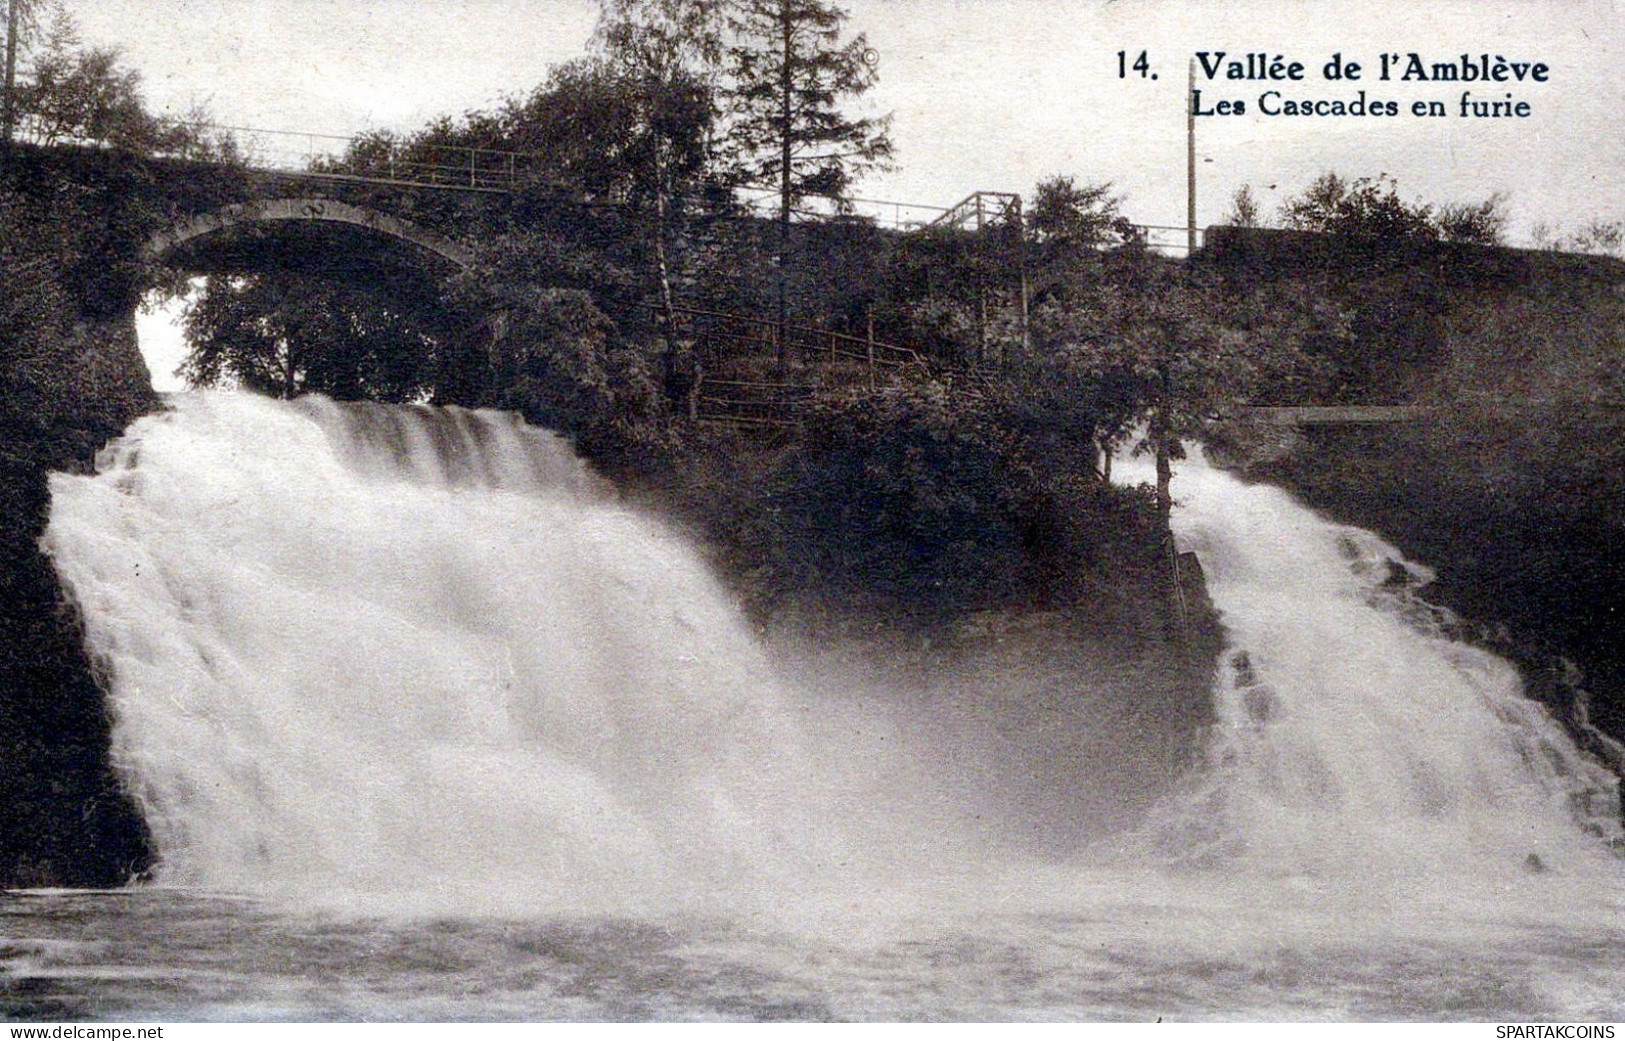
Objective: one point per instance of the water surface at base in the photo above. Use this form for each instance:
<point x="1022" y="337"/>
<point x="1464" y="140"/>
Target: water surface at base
<point x="162" y="955"/>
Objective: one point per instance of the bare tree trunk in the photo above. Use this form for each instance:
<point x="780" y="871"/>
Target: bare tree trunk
<point x="287" y="372"/>
<point x="1165" y="477"/>
<point x="1162" y="446"/>
<point x="1161" y="437"/>
<point x="668" y="304"/>
<point x="786" y="113"/>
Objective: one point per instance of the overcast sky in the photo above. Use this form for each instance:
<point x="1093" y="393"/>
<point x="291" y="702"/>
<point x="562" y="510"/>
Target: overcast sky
<point x="995" y="94"/>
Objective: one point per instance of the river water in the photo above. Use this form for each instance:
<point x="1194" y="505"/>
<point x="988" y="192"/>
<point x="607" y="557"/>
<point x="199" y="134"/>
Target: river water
<point x="427" y="726"/>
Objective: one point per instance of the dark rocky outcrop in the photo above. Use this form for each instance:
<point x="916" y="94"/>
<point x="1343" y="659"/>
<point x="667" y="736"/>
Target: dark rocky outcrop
<point x="64" y="820"/>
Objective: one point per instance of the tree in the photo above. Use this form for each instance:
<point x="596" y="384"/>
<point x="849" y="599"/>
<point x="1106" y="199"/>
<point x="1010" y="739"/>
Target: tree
<point x="1483" y="222"/>
<point x="966" y="295"/>
<point x="622" y="127"/>
<point x="605" y="127"/>
<point x="1244" y="211"/>
<point x="85" y="95"/>
<point x="788" y="72"/>
<point x="901" y="499"/>
<point x="563" y="365"/>
<point x="629" y="129"/>
<point x="286" y="334"/>
<point x="1166" y="349"/>
<point x="956" y="294"/>
<point x="1371" y="208"/>
<point x="22" y="24"/>
<point x="672" y="37"/>
<point x="1068" y="226"/>
<point x="1364" y="207"/>
<point x="670" y="110"/>
<point x="1595" y="236"/>
<point x="1069" y="218"/>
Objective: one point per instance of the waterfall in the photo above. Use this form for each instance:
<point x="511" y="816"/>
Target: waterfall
<point x="360" y="648"/>
<point x="408" y="654"/>
<point x="1357" y="735"/>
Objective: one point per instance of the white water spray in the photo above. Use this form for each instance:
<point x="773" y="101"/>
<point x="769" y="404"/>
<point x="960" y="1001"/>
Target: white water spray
<point x="356" y="649"/>
<point x="1356" y="739"/>
<point x="406" y="654"/>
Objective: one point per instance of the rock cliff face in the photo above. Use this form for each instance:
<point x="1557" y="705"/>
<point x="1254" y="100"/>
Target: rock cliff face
<point x="63" y="818"/>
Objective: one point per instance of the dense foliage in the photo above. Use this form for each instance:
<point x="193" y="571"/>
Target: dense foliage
<point x="1512" y="491"/>
<point x="288" y="334"/>
<point x="75" y="94"/>
<point x="974" y="479"/>
<point x="901" y="501"/>
<point x="628" y="158"/>
<point x="69" y="381"/>
<point x="1072" y="333"/>
<point x="1370" y="207"/>
<point x="909" y="508"/>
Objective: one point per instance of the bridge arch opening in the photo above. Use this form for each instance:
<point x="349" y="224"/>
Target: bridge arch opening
<point x="161" y="335"/>
<point x="329" y="268"/>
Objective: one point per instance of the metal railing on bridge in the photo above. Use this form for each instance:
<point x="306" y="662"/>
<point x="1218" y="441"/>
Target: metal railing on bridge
<point x="381" y="158"/>
<point x="375" y="159"/>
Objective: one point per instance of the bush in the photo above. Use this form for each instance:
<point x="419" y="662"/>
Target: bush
<point x="564" y="366"/>
<point x="895" y="501"/>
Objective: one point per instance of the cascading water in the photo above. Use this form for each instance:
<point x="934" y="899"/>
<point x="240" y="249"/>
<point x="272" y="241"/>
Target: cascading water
<point x="405" y="660"/>
<point x="1356" y="738"/>
<point x="362" y="643"/>
<point x="358" y="648"/>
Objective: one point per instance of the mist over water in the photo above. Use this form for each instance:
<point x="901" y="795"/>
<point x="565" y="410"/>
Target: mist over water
<point x="402" y="661"/>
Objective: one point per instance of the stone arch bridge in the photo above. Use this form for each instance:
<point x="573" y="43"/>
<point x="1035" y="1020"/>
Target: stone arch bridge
<point x="136" y="223"/>
<point x="164" y="244"/>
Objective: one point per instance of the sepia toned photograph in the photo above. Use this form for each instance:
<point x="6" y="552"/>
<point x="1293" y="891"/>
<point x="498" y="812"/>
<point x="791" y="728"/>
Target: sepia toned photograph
<point x="833" y="511"/>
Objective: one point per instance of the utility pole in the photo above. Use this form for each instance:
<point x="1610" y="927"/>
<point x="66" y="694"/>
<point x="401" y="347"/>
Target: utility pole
<point x="1190" y="160"/>
<point x="8" y="104"/>
<point x="1026" y="290"/>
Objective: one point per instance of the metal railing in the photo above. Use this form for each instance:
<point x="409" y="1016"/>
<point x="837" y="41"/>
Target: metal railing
<point x="735" y="334"/>
<point x="383" y="159"/>
<point x="981" y="210"/>
<point x="1173" y="240"/>
<point x="763" y="201"/>
<point x="750" y="375"/>
<point x="362" y="158"/>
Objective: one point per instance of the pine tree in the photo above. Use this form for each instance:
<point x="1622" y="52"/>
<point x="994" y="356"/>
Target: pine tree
<point x="787" y="74"/>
